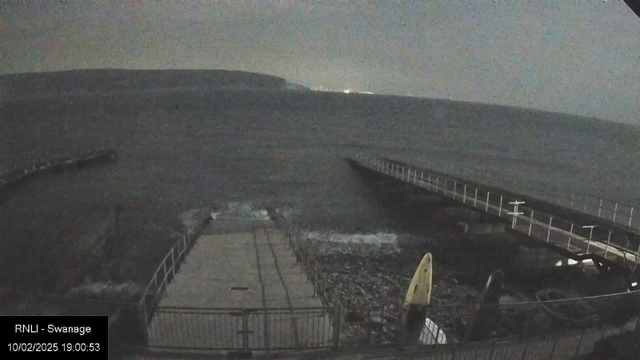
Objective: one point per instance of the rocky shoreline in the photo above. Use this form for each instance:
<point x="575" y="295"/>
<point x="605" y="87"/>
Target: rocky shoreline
<point x="369" y="281"/>
<point x="367" y="277"/>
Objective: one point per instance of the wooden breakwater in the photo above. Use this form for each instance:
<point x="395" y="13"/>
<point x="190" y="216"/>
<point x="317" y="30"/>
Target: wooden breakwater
<point x="89" y="158"/>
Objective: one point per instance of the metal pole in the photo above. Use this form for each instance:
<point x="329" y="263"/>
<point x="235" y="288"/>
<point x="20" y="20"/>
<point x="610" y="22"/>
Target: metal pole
<point x="455" y="189"/>
<point x="570" y="232"/>
<point x="267" y="337"/>
<point x="606" y="249"/>
<point x="600" y="208"/>
<point x="173" y="263"/>
<point x="500" y="210"/>
<point x="530" y="222"/>
<point x="580" y="342"/>
<point x="428" y="181"/>
<point x="590" y="234"/>
<point x="615" y="212"/>
<point x="475" y="198"/>
<point x="549" y="229"/>
<point x="487" y="203"/>
<point x="421" y="178"/>
<point x="142" y="313"/>
<point x="464" y="195"/>
<point x="571" y="206"/>
<point x="630" y="216"/>
<point x="515" y="212"/>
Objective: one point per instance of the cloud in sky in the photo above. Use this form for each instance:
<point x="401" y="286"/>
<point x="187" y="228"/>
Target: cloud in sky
<point x="578" y="57"/>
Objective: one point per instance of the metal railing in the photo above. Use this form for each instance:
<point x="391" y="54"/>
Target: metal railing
<point x="509" y="330"/>
<point x="616" y="211"/>
<point x="575" y="238"/>
<point x="165" y="273"/>
<point x="242" y="329"/>
<point x="563" y="345"/>
<point x="384" y="325"/>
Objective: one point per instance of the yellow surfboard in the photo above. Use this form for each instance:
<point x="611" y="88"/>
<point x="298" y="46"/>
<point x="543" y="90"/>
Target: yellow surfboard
<point x="419" y="292"/>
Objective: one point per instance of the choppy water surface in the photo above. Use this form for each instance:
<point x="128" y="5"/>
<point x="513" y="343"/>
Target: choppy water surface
<point x="188" y="150"/>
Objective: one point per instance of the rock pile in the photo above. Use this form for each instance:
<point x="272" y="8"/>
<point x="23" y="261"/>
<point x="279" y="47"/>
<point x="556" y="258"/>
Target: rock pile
<point x="370" y="275"/>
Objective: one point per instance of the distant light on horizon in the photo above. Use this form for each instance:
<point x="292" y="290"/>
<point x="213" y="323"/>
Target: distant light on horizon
<point x="344" y="91"/>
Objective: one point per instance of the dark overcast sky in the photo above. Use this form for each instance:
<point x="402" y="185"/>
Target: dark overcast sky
<point x="580" y="57"/>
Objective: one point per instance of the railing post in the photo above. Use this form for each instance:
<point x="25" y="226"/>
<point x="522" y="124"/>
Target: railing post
<point x="428" y="181"/>
<point x="402" y="326"/>
<point x="606" y="249"/>
<point x="267" y="336"/>
<point x="570" y="233"/>
<point x="530" y="222"/>
<point x="571" y="205"/>
<point x="464" y="194"/>
<point x="580" y="342"/>
<point x="437" y="183"/>
<point x="549" y="229"/>
<point x="173" y="263"/>
<point x="487" y="203"/>
<point x="553" y="348"/>
<point x="144" y="319"/>
<point x="245" y="329"/>
<point x="421" y="178"/>
<point x="446" y="182"/>
<point x="615" y="212"/>
<point x="336" y="328"/>
<point x="590" y="235"/>
<point x="315" y="278"/>
<point x="475" y="198"/>
<point x="525" y="350"/>
<point x="600" y="209"/>
<point x="166" y="284"/>
<point x="515" y="212"/>
<point x="500" y="210"/>
<point x="455" y="189"/>
<point x="630" y="216"/>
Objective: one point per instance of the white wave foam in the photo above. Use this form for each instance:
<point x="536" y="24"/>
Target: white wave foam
<point x="102" y="288"/>
<point x="237" y="210"/>
<point x="378" y="239"/>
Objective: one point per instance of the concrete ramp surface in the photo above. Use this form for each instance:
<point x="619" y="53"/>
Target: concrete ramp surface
<point x="240" y="289"/>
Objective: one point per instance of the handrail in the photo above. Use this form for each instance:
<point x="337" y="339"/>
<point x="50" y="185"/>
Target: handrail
<point x="566" y="234"/>
<point x="316" y="275"/>
<point x="162" y="272"/>
<point x="166" y="271"/>
<point x="617" y="211"/>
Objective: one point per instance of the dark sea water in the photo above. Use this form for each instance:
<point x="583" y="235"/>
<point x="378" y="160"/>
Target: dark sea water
<point x="185" y="150"/>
